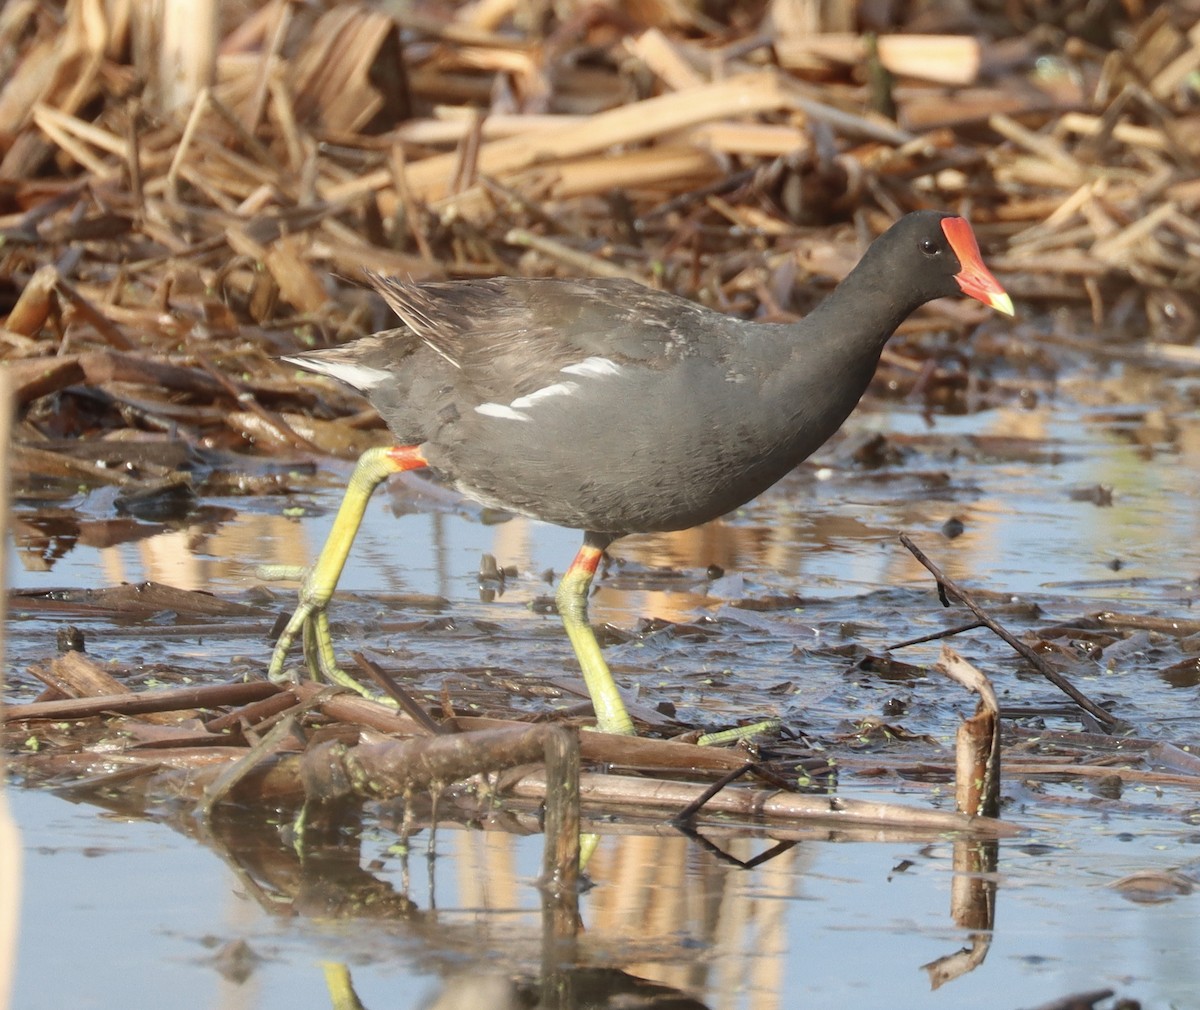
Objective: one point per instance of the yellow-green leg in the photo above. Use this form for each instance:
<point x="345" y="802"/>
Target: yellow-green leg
<point x="311" y="617"/>
<point x="611" y="716"/>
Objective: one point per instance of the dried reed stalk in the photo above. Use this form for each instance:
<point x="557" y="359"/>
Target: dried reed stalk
<point x="10" y="838"/>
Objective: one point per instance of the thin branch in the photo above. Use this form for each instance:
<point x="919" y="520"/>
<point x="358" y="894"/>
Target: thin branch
<point x="958" y="629"/>
<point x="406" y="701"/>
<point x="947" y="585"/>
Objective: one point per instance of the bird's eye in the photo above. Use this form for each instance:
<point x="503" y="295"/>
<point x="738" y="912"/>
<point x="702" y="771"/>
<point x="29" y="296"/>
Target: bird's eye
<point x="929" y="247"/>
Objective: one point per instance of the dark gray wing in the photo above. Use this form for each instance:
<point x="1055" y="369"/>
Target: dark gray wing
<point x="508" y="336"/>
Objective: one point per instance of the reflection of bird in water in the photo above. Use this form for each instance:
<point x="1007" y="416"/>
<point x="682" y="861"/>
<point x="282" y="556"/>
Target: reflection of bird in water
<point x="571" y="989"/>
<point x="479" y="991"/>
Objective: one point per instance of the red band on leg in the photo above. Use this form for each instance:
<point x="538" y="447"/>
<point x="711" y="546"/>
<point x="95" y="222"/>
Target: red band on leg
<point x="407" y="457"/>
<point x="587" y="560"/>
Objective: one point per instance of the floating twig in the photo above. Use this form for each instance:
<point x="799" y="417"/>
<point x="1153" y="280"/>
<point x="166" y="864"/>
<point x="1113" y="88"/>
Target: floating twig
<point x="958" y="629"/>
<point x="205" y="696"/>
<point x="401" y="697"/>
<point x="947" y="585"/>
<point x="687" y="813"/>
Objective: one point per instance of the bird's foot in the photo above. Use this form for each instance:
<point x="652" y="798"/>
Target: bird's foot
<point x="310" y="621"/>
<point x="738" y="733"/>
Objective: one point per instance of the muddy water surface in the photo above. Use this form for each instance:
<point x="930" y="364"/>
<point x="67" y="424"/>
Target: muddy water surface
<point x="1084" y="504"/>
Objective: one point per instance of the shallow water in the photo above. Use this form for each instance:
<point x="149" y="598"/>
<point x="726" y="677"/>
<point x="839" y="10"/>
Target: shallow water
<point x="823" y="924"/>
<point x="144" y="909"/>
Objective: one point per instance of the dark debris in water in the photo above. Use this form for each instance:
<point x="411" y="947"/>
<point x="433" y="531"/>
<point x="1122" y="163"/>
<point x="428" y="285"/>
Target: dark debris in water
<point x="892" y="704"/>
<point x="141" y="600"/>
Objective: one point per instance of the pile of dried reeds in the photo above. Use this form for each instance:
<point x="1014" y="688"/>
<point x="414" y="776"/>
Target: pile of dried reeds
<point x="289" y="146"/>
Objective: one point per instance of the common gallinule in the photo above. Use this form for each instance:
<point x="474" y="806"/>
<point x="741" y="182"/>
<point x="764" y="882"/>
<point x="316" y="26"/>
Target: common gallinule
<point x="612" y="408"/>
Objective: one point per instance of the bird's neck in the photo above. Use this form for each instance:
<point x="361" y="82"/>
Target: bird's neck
<point x="833" y="353"/>
<point x="864" y="310"/>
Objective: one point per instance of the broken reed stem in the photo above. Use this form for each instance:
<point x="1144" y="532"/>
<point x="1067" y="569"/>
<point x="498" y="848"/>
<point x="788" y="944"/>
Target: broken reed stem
<point x="650" y="796"/>
<point x="149" y="701"/>
<point x="333" y="770"/>
<point x="946" y="584"/>
<point x="233" y="773"/>
<point x="562" y="855"/>
<point x="10" y="838"/>
<point x="245" y="398"/>
<point x="977" y="741"/>
<point x="560" y="858"/>
<point x="408" y="704"/>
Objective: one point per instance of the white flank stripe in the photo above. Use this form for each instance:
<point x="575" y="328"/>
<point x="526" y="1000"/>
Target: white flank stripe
<point x="501" y="411"/>
<point x="594" y="367"/>
<point x="558" y="389"/>
<point x="359" y="376"/>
